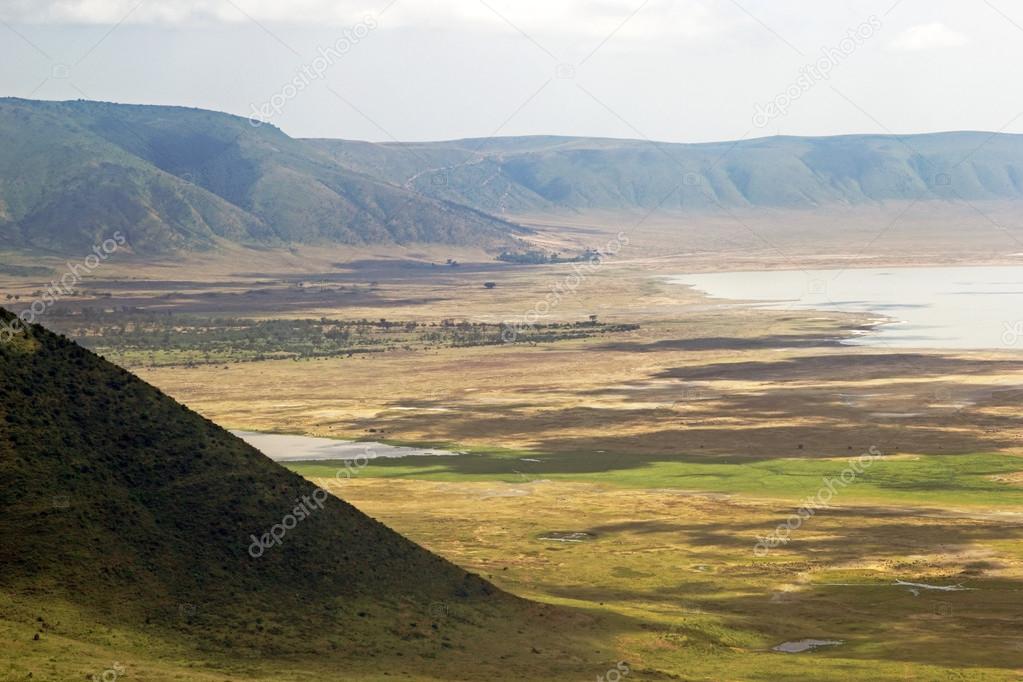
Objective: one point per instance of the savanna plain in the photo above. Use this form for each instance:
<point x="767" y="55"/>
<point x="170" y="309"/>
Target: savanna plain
<point x="624" y="449"/>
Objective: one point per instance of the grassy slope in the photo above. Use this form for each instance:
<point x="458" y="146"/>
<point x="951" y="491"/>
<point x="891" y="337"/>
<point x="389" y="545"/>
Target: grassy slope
<point x="64" y="187"/>
<point x="531" y="174"/>
<point x="172" y="177"/>
<point x="126" y="521"/>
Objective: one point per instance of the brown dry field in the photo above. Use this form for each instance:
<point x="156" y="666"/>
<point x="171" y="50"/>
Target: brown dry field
<point x="675" y="569"/>
<point x="697" y="377"/>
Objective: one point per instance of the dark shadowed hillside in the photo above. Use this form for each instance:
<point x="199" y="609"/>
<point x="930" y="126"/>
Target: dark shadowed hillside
<point x="136" y="513"/>
<point x="178" y="178"/>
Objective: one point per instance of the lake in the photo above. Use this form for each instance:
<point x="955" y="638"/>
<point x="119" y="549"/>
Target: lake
<point x="290" y="448"/>
<point x="936" y="307"/>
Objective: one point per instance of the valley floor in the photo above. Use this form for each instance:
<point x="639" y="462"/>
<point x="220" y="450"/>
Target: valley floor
<point x="703" y="604"/>
<point x="631" y="475"/>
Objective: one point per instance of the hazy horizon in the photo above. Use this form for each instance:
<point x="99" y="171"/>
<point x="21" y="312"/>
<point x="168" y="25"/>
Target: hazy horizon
<point x="447" y="69"/>
<point x="624" y="138"/>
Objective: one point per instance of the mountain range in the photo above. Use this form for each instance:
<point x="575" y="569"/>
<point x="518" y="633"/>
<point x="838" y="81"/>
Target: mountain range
<point x="536" y="174"/>
<point x="174" y="178"/>
<point x="169" y="178"/>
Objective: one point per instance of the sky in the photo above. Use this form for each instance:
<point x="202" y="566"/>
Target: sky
<point x="671" y="70"/>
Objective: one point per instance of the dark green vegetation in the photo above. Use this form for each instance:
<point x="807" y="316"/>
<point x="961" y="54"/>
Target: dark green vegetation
<point x="155" y="339"/>
<point x="536" y="257"/>
<point x="121" y="509"/>
<point x="72" y="173"/>
<point x="543" y="173"/>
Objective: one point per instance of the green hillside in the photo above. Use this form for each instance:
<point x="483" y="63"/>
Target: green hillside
<point x="178" y="178"/>
<point x="172" y="178"/>
<point x="122" y="511"/>
<point x="544" y="173"/>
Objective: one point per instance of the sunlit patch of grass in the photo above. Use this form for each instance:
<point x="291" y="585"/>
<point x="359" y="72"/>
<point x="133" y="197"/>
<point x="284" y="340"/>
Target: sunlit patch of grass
<point x="965" y="480"/>
<point x="678" y="569"/>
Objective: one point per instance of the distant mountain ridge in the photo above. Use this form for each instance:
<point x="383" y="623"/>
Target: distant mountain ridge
<point x="528" y="174"/>
<point x="175" y="178"/>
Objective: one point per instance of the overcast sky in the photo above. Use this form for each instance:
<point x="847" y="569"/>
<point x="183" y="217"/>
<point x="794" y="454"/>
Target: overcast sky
<point x="675" y="70"/>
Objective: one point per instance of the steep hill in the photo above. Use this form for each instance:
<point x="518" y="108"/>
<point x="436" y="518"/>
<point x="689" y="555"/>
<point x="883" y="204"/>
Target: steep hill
<point x="140" y="515"/>
<point x="178" y="178"/>
<point x="555" y="173"/>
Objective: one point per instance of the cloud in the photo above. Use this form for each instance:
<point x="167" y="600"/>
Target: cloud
<point x="928" y="37"/>
<point x="654" y="18"/>
<point x="570" y="15"/>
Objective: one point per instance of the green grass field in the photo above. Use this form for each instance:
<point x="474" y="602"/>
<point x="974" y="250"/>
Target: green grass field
<point x="962" y="480"/>
<point x="669" y="546"/>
